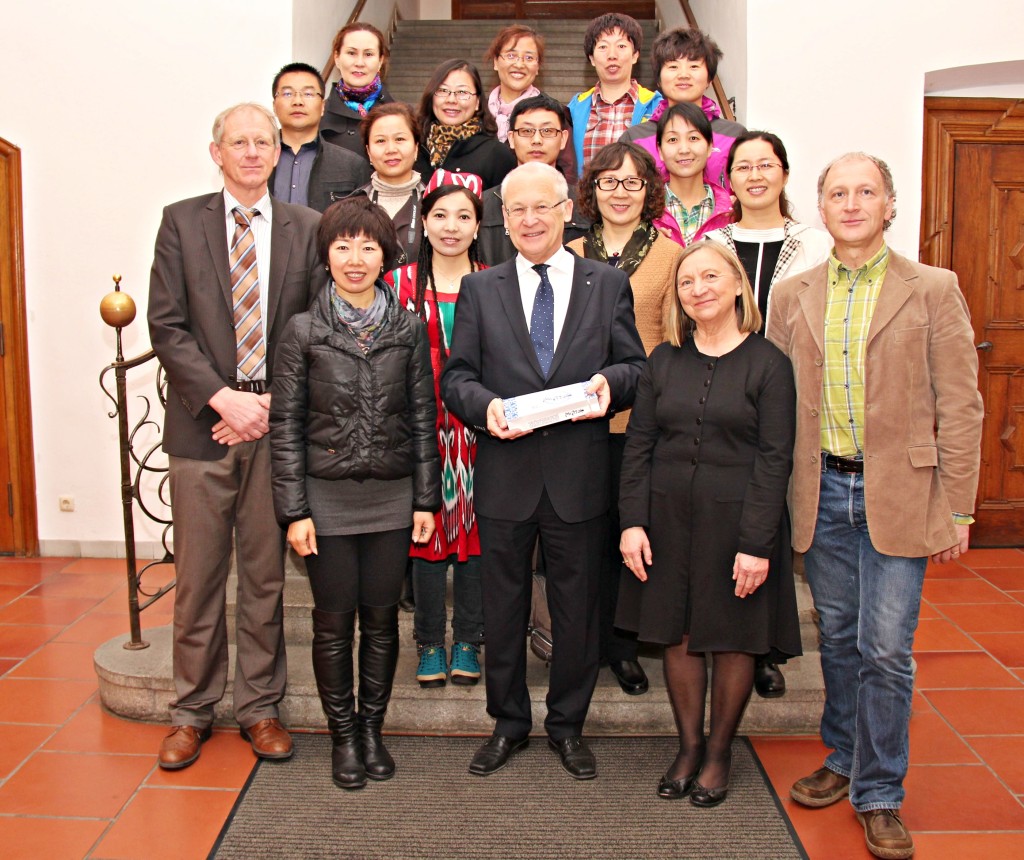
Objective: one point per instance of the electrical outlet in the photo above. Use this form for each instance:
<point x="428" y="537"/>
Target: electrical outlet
<point x="66" y="503"/>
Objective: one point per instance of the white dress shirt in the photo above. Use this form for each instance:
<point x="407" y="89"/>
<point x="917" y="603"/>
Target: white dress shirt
<point x="561" y="265"/>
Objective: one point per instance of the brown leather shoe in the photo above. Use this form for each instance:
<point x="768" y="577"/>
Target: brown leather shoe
<point x="269" y="739"/>
<point x="885" y="834"/>
<point x="181" y="746"/>
<point x="822" y="788"/>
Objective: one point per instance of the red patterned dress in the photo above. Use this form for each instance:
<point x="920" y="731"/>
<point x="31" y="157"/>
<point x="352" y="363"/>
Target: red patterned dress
<point x="456" y="531"/>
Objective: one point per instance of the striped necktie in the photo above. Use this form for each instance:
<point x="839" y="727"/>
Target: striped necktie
<point x="251" y="352"/>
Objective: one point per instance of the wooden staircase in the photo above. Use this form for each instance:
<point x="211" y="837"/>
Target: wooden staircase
<point x="419" y="46"/>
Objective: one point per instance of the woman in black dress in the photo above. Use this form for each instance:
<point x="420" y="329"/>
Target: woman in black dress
<point x="709" y="449"/>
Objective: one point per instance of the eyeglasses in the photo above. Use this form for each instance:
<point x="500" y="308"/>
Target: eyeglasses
<point x="517" y="213"/>
<point x="546" y="133"/>
<point x="288" y="95"/>
<point x="462" y="95"/>
<point x="610" y="183"/>
<point x="515" y="57"/>
<point x="241" y="144"/>
<point x="762" y="167"/>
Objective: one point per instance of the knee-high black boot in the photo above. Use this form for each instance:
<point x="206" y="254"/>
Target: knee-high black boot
<point x="332" y="666"/>
<point x="378" y="656"/>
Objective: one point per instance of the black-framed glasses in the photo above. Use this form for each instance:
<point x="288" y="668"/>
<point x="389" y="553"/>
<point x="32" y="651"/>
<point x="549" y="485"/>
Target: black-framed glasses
<point x="462" y="95"/>
<point x="546" y="133"/>
<point x="610" y="183"/>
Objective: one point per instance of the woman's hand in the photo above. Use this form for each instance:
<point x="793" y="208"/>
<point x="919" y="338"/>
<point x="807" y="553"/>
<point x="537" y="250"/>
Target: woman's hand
<point x="422" y="526"/>
<point x="749" y="572"/>
<point x="302" y="537"/>
<point x="636" y="551"/>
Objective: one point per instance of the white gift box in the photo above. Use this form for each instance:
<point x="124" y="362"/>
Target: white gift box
<point x="529" y="411"/>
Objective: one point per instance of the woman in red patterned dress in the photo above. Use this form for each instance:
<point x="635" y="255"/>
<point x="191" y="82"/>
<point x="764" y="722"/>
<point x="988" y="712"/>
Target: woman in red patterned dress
<point x="451" y="217"/>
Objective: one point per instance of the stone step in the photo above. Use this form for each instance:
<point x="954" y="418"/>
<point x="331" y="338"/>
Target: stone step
<point x="419" y="46"/>
<point x="298" y="604"/>
<point x="138" y="685"/>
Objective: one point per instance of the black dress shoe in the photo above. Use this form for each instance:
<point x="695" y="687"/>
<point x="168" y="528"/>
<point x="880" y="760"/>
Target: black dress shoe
<point x="706" y="797"/>
<point x="769" y="682"/>
<point x="630" y="675"/>
<point x="494" y="754"/>
<point x="577" y="759"/>
<point x="675" y="789"/>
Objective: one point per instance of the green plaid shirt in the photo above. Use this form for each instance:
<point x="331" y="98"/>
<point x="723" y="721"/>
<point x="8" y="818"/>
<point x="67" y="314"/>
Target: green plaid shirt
<point x="852" y="295"/>
<point x="690" y="220"/>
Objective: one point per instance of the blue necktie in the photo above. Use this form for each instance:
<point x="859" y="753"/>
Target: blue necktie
<point x="542" y="320"/>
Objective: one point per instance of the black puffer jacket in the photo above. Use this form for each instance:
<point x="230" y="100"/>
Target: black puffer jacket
<point x="482" y="154"/>
<point x="338" y="414"/>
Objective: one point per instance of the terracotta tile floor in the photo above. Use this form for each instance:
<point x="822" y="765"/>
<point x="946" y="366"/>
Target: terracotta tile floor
<point x="77" y="782"/>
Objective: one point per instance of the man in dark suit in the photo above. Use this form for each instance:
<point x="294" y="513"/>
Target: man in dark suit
<point x="230" y="269"/>
<point x="544" y="319"/>
<point x="311" y="171"/>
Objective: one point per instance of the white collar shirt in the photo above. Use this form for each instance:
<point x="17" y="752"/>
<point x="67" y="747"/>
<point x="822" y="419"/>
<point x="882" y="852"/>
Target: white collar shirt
<point x="561" y="266"/>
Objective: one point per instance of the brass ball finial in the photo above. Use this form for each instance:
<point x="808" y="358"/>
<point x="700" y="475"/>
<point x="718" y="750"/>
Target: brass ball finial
<point x="117" y="308"/>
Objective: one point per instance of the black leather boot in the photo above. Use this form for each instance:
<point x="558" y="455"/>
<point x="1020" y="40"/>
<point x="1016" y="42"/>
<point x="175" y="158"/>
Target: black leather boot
<point x="332" y="666"/>
<point x="769" y="682"/>
<point x="378" y="656"/>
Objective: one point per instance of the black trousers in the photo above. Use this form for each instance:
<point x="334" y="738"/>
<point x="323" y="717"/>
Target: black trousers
<point x="573" y="553"/>
<point x="358" y="570"/>
<point x="615" y="644"/>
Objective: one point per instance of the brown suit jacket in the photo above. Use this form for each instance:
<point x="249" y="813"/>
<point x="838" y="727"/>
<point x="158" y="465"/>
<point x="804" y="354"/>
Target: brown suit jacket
<point x="191" y="324"/>
<point x="923" y="411"/>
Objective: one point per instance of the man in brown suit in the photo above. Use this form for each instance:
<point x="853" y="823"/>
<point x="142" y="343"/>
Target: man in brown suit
<point x="885" y="475"/>
<point x="230" y="269"/>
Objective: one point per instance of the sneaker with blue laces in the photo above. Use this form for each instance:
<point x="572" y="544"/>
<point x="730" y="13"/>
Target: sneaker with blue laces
<point x="465" y="664"/>
<point x="433" y="668"/>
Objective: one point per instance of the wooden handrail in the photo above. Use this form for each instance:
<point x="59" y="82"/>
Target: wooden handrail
<point x="720" y="96"/>
<point x="329" y="65"/>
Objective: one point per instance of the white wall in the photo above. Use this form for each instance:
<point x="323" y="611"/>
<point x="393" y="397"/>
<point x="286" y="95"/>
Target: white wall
<point x="833" y="77"/>
<point x="314" y="24"/>
<point x="111" y="103"/>
<point x="726" y="22"/>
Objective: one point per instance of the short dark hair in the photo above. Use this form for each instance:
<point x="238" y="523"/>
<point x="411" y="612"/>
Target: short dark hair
<point x="362" y="26"/>
<point x="305" y="68"/>
<point x="379" y="111"/>
<point x="513" y="33"/>
<point x="357" y="216"/>
<point x="683" y="43"/>
<point x="689" y="113"/>
<point x="612" y="157"/>
<point x="426" y="112"/>
<point x="779" y="148"/>
<point x="609" y="23"/>
<point x="541" y="102"/>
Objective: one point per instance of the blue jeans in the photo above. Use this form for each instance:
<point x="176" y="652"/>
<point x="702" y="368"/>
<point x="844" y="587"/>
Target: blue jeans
<point x="430" y="586"/>
<point x="868" y="604"/>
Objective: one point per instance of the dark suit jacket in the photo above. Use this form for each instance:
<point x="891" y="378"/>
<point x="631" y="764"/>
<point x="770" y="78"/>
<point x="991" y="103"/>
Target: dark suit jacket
<point x="191" y="324"/>
<point x="494" y="243"/>
<point x="336" y="173"/>
<point x="492" y="356"/>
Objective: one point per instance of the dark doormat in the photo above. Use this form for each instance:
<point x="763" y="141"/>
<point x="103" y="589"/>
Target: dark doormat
<point x="433" y="808"/>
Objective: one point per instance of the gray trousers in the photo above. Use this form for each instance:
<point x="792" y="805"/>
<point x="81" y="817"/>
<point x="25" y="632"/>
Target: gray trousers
<point x="214" y="501"/>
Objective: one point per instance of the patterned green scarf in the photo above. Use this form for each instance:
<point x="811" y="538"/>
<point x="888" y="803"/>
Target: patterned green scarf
<point x="632" y="255"/>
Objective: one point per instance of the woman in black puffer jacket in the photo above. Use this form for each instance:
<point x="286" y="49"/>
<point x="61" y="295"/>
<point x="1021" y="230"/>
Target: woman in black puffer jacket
<point x="354" y="465"/>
